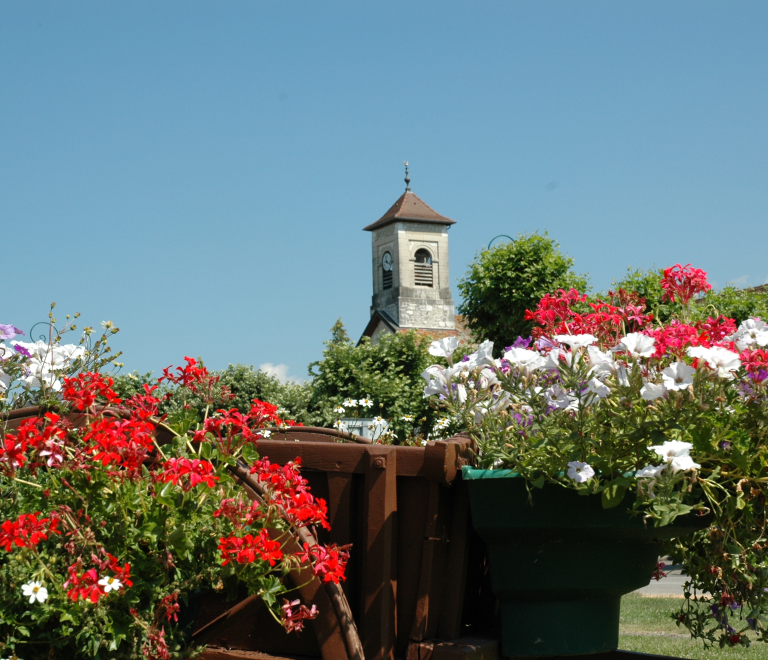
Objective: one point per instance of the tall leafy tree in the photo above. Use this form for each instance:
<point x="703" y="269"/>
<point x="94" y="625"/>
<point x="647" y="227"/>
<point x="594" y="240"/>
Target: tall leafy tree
<point x="388" y="373"/>
<point x="505" y="281"/>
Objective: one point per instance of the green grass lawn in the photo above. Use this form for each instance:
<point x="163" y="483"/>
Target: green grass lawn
<point x="646" y="627"/>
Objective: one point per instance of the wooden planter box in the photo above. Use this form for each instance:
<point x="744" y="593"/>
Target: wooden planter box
<point x="417" y="570"/>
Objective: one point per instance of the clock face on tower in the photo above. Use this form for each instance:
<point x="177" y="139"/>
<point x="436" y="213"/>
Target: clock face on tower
<point x="386" y="262"/>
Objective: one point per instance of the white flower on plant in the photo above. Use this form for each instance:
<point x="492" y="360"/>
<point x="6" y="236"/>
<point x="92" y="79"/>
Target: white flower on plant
<point x="558" y="398"/>
<point x="444" y="348"/>
<point x="720" y="359"/>
<point x="483" y="356"/>
<point x="378" y="421"/>
<point x="339" y="410"/>
<point x="652" y="391"/>
<point x="110" y="584"/>
<point x="556" y="357"/>
<point x="678" y="376"/>
<point x="442" y="423"/>
<point x="35" y="590"/>
<point x="576" y="341"/>
<point x="338" y="424"/>
<point x="527" y="360"/>
<point x="424" y="443"/>
<point x="601" y="362"/>
<point x="677" y="454"/>
<point x="598" y="388"/>
<point x="637" y="345"/>
<point x="751" y="331"/>
<point x="407" y="418"/>
<point x="651" y="471"/>
<point x="364" y="402"/>
<point x="265" y="433"/>
<point x="580" y="472"/>
<point x="349" y="403"/>
<point x="5" y="380"/>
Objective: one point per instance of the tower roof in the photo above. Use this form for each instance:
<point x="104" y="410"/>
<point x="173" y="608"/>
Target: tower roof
<point x="410" y="207"/>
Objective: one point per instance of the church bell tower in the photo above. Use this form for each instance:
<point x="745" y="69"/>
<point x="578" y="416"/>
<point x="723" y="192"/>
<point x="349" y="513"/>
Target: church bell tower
<point x="411" y="278"/>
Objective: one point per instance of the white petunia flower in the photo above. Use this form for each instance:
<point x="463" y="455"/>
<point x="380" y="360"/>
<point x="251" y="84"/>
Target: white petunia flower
<point x="444" y="347"/>
<point x="720" y="359"/>
<point x="651" y="391"/>
<point x="651" y="471"/>
<point x="576" y="341"/>
<point x="598" y="388"/>
<point x="678" y="376"/>
<point x="35" y="590"/>
<point x="673" y="449"/>
<point x="750" y="332"/>
<point x="637" y="345"/>
<point x="580" y="472"/>
<point x="110" y="584"/>
<point x="556" y="357"/>
<point x="527" y="360"/>
<point x="683" y="464"/>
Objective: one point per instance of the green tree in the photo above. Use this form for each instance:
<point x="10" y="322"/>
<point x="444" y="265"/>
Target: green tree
<point x="388" y="373"/>
<point x="505" y="281"/>
<point x="738" y="304"/>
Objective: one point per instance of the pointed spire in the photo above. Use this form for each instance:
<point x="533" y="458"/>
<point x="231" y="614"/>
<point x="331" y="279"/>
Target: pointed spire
<point x="407" y="178"/>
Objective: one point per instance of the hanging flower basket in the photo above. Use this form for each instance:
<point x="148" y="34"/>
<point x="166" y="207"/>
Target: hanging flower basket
<point x="561" y="563"/>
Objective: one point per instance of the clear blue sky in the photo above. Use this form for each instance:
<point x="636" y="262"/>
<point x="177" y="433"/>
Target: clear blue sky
<point x="200" y="172"/>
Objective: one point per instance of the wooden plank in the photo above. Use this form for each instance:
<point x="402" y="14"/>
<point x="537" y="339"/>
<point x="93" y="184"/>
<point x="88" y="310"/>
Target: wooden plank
<point x="413" y="496"/>
<point x="340" y="507"/>
<point x="433" y="559"/>
<point x="438" y="461"/>
<point x="458" y="554"/>
<point x="378" y="628"/>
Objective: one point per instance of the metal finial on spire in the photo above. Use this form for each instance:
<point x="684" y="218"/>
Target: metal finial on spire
<point x="407" y="178"/>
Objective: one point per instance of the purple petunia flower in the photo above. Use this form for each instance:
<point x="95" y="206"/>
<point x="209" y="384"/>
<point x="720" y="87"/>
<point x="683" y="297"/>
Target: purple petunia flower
<point x="22" y="350"/>
<point x="520" y="342"/>
<point x="9" y="331"/>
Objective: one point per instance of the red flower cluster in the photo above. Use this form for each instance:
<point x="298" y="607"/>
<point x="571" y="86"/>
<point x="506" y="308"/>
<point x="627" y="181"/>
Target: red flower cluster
<point x="293" y="620"/>
<point x="265" y="414"/>
<point x="47" y="436"/>
<point x="676" y="337"/>
<point x="12" y="455"/>
<point x="83" y="390"/>
<point x="329" y="561"/>
<point x="756" y="363"/>
<point x="86" y="585"/>
<point x="198" y="380"/>
<point x="244" y="549"/>
<point x="288" y="489"/>
<point x="230" y="430"/>
<point x="27" y="531"/>
<point x="146" y="405"/>
<point x="188" y="473"/>
<point x="239" y="513"/>
<point x="125" y="443"/>
<point x="681" y="283"/>
<point x="556" y="315"/>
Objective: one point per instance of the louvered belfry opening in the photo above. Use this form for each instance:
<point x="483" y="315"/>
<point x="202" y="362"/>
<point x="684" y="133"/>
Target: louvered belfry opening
<point x="423" y="268"/>
<point x="387" y="279"/>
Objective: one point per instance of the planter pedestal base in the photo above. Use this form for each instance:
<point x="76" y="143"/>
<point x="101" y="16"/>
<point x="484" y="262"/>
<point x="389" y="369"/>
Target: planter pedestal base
<point x="560" y="563"/>
<point x="565" y="627"/>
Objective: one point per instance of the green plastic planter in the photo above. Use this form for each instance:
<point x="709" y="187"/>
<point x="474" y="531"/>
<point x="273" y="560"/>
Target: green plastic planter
<point x="561" y="565"/>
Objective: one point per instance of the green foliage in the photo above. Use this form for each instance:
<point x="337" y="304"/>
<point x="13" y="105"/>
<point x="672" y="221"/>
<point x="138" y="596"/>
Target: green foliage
<point x="244" y="381"/>
<point x="505" y="281"/>
<point x="389" y="373"/>
<point x="738" y="304"/>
